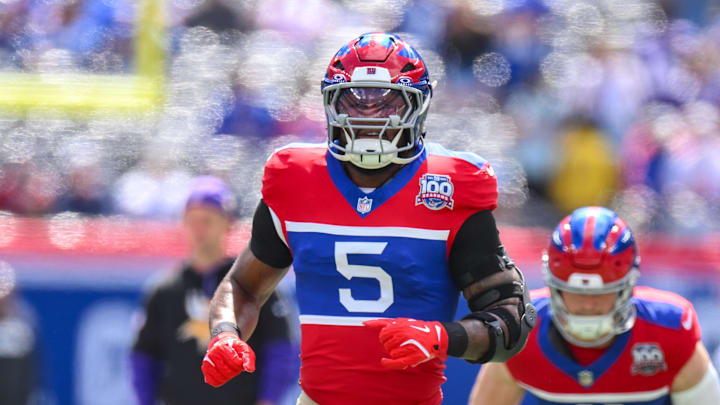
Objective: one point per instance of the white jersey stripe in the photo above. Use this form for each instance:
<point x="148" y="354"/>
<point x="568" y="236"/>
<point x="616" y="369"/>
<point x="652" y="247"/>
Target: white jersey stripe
<point x="393" y="231"/>
<point x="303" y="145"/>
<point x="334" y="320"/>
<point x="606" y="397"/>
<point x="278" y="227"/>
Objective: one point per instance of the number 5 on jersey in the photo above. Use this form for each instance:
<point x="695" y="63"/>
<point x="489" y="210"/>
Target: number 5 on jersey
<point x="349" y="271"/>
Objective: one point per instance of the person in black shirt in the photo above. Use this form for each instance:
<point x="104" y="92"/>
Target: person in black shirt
<point x="17" y="344"/>
<point x="173" y="337"/>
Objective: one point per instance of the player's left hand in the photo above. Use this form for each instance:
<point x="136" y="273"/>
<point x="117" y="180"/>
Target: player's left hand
<point x="410" y="342"/>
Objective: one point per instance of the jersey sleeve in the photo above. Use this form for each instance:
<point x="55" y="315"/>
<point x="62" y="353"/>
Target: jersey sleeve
<point x="483" y="193"/>
<point x="475" y="186"/>
<point x="688" y="336"/>
<point x="475" y="183"/>
<point x="274" y="180"/>
<point x="476" y="250"/>
<point x="679" y="328"/>
<point x="150" y="337"/>
<point x="475" y="189"/>
<point x="265" y="241"/>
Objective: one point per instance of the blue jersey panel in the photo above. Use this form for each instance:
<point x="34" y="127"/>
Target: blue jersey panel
<point x="661" y="313"/>
<point x="372" y="276"/>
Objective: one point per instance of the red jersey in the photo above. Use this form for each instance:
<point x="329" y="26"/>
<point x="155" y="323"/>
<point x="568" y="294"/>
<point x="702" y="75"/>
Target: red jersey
<point x="368" y="254"/>
<point x="638" y="367"/>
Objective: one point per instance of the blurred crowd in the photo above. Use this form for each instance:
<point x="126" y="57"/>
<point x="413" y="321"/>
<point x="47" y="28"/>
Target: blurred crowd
<point x="573" y="102"/>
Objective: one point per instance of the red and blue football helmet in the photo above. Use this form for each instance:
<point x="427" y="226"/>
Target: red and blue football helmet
<point x="376" y="87"/>
<point x="592" y="251"/>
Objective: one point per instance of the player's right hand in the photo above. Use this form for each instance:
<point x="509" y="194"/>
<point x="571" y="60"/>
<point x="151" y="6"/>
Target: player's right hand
<point x="227" y="356"/>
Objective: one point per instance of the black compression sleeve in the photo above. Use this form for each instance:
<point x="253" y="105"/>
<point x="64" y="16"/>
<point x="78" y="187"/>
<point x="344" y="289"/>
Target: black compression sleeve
<point x="475" y="250"/>
<point x="265" y="243"/>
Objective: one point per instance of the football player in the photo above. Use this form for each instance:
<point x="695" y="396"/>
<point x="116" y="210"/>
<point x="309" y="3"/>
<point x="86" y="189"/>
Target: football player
<point x="600" y="339"/>
<point x="383" y="231"/>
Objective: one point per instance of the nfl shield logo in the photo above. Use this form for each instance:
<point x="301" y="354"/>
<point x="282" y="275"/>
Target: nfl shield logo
<point x="364" y="205"/>
<point x="586" y="378"/>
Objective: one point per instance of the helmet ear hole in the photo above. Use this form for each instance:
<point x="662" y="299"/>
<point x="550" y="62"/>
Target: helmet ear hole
<point x="408" y="67"/>
<point x="338" y="65"/>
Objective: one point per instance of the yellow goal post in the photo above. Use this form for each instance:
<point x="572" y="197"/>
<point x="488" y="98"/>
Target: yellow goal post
<point x="78" y="93"/>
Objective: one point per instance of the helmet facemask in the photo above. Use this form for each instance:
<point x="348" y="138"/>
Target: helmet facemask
<point x="374" y="124"/>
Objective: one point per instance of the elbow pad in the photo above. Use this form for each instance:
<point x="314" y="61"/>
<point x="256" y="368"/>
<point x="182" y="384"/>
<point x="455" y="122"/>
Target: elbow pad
<point x="518" y="330"/>
<point x="707" y="391"/>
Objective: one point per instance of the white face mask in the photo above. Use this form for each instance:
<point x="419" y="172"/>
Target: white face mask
<point x="589" y="328"/>
<point x="360" y="154"/>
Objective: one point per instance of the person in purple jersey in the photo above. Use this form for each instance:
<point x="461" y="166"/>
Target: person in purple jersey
<point x="173" y="337"/>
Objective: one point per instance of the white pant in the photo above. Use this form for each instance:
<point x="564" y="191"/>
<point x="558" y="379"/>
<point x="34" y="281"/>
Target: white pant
<point x="303" y="399"/>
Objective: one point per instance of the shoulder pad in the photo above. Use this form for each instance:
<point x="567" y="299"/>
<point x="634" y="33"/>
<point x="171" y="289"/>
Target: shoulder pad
<point x="664" y="308"/>
<point x="287" y="166"/>
<point x="473" y="178"/>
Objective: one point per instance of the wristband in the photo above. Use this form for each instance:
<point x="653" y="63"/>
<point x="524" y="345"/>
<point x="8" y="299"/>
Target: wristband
<point x="457" y="338"/>
<point x="224" y="327"/>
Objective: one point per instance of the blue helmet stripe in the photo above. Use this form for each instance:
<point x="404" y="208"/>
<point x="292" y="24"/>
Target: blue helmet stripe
<point x="625" y="241"/>
<point x="557" y="239"/>
<point x="364" y="40"/>
<point x="577" y="226"/>
<point x="408" y="52"/>
<point x="385" y="41"/>
<point x="343" y="51"/>
<point x="604" y="222"/>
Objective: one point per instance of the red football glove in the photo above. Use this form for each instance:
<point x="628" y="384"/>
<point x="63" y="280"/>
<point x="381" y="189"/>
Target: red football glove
<point x="226" y="357"/>
<point x="411" y="342"/>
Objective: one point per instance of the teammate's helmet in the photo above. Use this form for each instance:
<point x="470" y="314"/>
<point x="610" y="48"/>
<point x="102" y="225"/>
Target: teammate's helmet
<point x="592" y="251"/>
<point x="379" y="84"/>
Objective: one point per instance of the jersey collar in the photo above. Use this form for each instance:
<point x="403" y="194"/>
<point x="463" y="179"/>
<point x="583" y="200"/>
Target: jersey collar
<point x="365" y="203"/>
<point x="570" y="367"/>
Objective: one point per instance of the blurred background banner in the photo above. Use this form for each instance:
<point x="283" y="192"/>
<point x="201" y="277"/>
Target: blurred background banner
<point x="109" y="108"/>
